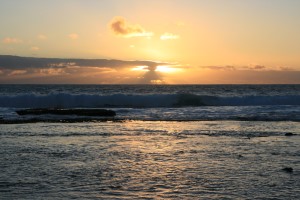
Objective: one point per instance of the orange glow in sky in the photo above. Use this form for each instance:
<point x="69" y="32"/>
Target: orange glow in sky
<point x="210" y="41"/>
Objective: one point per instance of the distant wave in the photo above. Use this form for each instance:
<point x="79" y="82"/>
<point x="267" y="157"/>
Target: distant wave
<point x="65" y="100"/>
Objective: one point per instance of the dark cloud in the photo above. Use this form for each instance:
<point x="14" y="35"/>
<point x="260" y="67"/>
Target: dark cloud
<point x="151" y="76"/>
<point x="122" y="28"/>
<point x="15" y="69"/>
<point x="16" y="62"/>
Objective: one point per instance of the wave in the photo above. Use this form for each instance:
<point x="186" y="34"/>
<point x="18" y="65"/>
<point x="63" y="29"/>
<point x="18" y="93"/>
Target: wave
<point x="65" y="100"/>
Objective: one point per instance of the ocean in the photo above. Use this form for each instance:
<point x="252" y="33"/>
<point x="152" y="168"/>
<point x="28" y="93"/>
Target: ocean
<point x="165" y="142"/>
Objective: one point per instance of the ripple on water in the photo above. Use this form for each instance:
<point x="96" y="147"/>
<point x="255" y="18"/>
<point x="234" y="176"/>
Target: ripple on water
<point x="138" y="164"/>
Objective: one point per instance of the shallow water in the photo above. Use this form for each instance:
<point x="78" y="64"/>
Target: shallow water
<point x="150" y="160"/>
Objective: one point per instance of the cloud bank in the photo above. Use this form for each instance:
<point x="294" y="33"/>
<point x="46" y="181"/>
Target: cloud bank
<point x="246" y="68"/>
<point x="15" y="69"/>
<point x="16" y="62"/>
<point x="121" y="27"/>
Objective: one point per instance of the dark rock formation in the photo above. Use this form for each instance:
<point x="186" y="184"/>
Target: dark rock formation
<point x="289" y="134"/>
<point x="288" y="169"/>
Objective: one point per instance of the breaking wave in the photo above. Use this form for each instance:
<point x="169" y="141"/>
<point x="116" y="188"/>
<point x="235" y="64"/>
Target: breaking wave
<point x="65" y="100"/>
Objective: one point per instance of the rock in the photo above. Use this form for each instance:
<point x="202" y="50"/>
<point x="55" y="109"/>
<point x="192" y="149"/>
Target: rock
<point x="288" y="169"/>
<point x="179" y="152"/>
<point x="79" y="112"/>
<point x="289" y="134"/>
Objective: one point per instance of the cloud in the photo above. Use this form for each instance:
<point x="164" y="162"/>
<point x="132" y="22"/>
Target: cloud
<point x="52" y="72"/>
<point x="236" y="68"/>
<point x="151" y="77"/>
<point x="17" y="72"/>
<point x="16" y="69"/>
<point x="258" y="67"/>
<point x="17" y="62"/>
<point x="247" y="68"/>
<point x="283" y="68"/>
<point x="169" y="36"/>
<point x="9" y="40"/>
<point x="73" y="36"/>
<point x="42" y="37"/>
<point x="34" y="48"/>
<point x="228" y="67"/>
<point x="121" y="27"/>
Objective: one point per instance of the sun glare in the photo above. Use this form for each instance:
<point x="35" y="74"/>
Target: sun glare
<point x="166" y="69"/>
<point x="140" y="68"/>
<point x="160" y="68"/>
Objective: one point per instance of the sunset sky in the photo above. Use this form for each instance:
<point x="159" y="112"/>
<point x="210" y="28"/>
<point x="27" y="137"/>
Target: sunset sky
<point x="192" y="41"/>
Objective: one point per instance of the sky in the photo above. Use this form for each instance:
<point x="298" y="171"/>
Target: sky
<point x="191" y="41"/>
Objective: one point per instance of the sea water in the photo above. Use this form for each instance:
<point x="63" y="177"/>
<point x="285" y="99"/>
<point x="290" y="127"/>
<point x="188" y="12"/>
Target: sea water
<point x="166" y="142"/>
